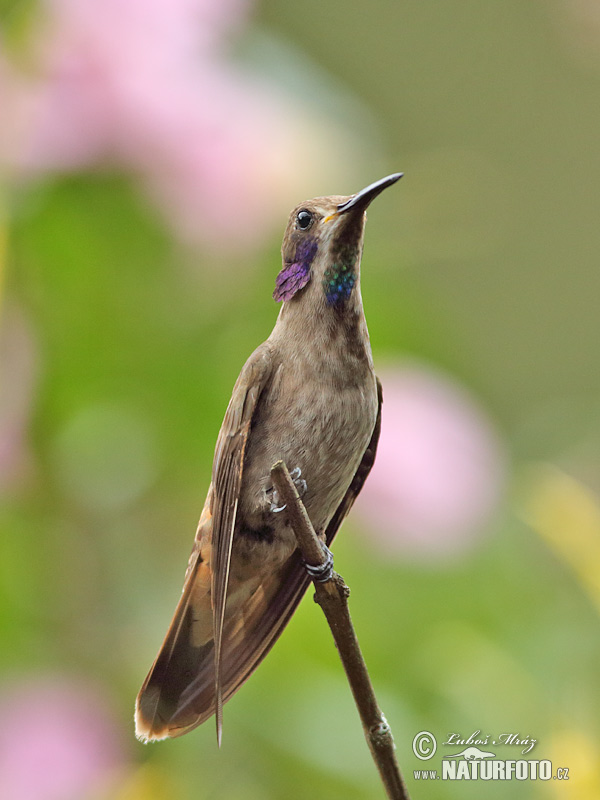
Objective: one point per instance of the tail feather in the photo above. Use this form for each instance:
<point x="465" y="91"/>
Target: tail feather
<point x="187" y="644"/>
<point x="179" y="692"/>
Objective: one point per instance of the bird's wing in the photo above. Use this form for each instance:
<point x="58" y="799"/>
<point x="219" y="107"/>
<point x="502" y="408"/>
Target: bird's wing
<point x="227" y="479"/>
<point x="196" y="631"/>
<point x="187" y="643"/>
<point x="265" y="613"/>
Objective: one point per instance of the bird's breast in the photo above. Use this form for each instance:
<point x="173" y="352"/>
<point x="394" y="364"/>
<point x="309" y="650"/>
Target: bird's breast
<point x="316" y="421"/>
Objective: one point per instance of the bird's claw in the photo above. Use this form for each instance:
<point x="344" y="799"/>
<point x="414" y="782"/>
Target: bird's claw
<point x="274" y="507"/>
<point x="273" y="494"/>
<point x="321" y="572"/>
<point x="298" y="481"/>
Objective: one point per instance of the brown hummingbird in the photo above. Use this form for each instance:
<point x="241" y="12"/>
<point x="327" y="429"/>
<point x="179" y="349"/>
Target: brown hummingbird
<point x="308" y="396"/>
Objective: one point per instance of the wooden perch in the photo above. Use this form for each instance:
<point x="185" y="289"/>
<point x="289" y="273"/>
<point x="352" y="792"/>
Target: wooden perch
<point x="332" y="596"/>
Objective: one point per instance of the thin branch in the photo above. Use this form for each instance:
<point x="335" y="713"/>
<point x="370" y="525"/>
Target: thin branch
<point x="332" y="596"/>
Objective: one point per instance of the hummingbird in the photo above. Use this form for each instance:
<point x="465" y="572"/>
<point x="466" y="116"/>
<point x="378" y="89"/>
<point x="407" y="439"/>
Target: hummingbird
<point x="308" y="396"/>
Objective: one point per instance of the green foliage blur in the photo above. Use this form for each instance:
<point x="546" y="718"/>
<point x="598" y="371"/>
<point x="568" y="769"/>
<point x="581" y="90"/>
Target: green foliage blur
<point x="482" y="264"/>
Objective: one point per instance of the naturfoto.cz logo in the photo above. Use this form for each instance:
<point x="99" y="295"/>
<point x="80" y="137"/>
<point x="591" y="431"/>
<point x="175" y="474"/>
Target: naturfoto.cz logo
<point x="474" y="763"/>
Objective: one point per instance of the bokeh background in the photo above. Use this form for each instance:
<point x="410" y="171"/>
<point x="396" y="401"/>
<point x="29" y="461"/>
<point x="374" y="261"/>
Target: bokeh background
<point x="150" y="151"/>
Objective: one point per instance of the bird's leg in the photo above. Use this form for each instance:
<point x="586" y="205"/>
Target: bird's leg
<point x="321" y="572"/>
<point x="273" y="495"/>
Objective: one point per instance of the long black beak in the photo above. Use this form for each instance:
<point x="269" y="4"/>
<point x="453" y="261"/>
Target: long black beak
<point x="366" y="196"/>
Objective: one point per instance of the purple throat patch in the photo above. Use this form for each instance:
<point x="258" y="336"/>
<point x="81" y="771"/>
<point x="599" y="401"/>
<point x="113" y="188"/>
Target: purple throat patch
<point x="296" y="275"/>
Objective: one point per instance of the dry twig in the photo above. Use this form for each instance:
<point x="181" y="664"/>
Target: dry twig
<point x="332" y="596"/>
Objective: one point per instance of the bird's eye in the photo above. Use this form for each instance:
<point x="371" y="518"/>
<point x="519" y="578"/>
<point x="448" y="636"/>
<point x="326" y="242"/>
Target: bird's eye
<point x="304" y="219"/>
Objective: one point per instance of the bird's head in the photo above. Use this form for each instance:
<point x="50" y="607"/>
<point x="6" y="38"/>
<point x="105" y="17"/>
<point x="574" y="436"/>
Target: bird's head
<point x="322" y="245"/>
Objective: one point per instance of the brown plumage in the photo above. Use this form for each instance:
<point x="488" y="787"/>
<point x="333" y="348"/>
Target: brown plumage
<point x="309" y="396"/>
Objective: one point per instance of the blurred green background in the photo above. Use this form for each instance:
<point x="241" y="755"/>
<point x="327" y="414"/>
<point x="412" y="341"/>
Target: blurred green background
<point x="150" y="154"/>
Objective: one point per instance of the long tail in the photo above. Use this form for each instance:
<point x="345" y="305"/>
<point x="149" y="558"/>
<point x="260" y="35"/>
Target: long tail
<point x="179" y="691"/>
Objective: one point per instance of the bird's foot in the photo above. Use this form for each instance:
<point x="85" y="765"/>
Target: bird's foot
<point x="321" y="572"/>
<point x="299" y="482"/>
<point x="273" y="495"/>
<point x="275" y="507"/>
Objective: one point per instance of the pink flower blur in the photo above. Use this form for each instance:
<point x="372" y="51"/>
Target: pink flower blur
<point x="58" y="741"/>
<point x="147" y="85"/>
<point x="440" y="468"/>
